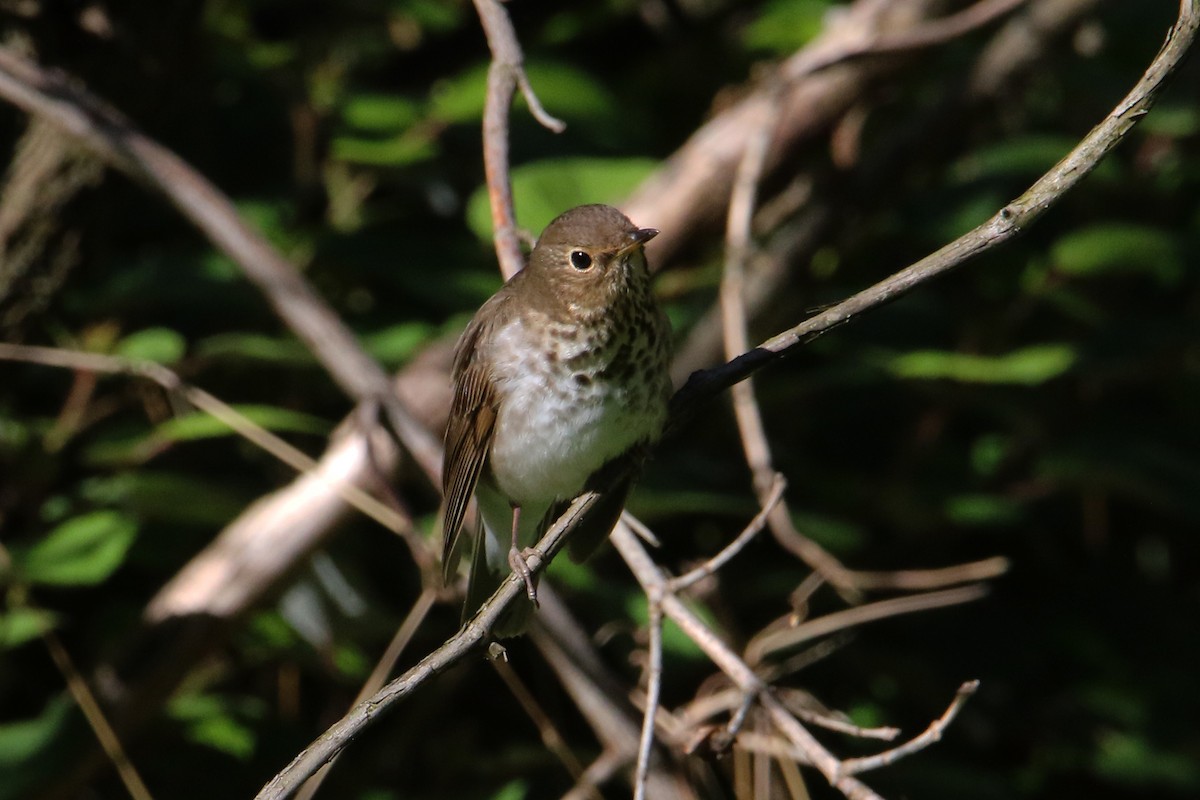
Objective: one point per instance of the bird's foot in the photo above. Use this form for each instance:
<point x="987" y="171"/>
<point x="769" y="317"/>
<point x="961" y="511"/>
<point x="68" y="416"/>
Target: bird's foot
<point x="518" y="560"/>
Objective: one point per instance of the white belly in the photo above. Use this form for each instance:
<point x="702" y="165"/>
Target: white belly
<point x="547" y="443"/>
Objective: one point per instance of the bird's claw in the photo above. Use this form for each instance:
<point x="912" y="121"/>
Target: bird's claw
<point x="518" y="560"/>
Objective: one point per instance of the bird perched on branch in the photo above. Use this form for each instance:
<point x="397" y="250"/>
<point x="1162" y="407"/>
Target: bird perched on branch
<point x="563" y="370"/>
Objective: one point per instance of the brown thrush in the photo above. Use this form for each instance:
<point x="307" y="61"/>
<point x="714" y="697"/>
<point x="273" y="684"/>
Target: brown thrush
<point x="560" y="372"/>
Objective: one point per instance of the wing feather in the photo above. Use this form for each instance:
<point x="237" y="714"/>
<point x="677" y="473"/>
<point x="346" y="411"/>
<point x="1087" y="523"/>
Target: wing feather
<point x="469" y="430"/>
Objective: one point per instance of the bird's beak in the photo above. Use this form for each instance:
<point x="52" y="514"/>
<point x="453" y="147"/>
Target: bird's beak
<point x="638" y="238"/>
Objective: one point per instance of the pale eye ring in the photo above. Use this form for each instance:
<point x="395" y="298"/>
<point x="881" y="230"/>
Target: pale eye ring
<point x="581" y="260"/>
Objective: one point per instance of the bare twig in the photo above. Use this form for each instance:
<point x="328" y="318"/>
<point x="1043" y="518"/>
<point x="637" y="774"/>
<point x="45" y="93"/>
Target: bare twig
<point x="404" y="634"/>
<point x="208" y="403"/>
<point x="551" y="738"/>
<point x="933" y="733"/>
<point x="505" y="75"/>
<point x="775" y="494"/>
<point x="788" y="636"/>
<point x="84" y="698"/>
<point x="654" y="672"/>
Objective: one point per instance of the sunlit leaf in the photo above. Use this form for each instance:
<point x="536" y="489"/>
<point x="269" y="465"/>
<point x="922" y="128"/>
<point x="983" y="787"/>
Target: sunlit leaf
<point x="20" y="741"/>
<point x="1029" y="366"/>
<point x="397" y="344"/>
<point x="81" y="551"/>
<point x="786" y="25"/>
<point x="166" y="496"/>
<point x="153" y="344"/>
<point x="1120" y="248"/>
<point x="1130" y="759"/>
<point x="20" y="625"/>
<point x="218" y="721"/>
<point x="374" y="112"/>
<point x="284" y="351"/>
<point x="545" y="189"/>
<point x="982" y="509"/>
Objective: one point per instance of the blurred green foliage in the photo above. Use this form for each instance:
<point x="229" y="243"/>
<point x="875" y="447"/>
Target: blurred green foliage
<point x="1040" y="404"/>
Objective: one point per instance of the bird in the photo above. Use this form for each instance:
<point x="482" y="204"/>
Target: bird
<point x="559" y="373"/>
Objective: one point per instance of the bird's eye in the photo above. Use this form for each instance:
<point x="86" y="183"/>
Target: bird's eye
<point x="580" y="260"/>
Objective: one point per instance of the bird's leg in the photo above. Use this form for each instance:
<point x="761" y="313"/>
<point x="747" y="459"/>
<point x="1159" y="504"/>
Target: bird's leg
<point x="517" y="558"/>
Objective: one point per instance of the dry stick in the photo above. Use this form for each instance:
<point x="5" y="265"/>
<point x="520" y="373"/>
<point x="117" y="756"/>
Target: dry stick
<point x="788" y="636"/>
<point x="82" y="693"/>
<point x="1022" y="212"/>
<point x="710" y="567"/>
<point x="408" y="628"/>
<point x="654" y="671"/>
<point x="218" y="409"/>
<point x="653" y="582"/>
<point x="505" y="75"/>
<point x="933" y="733"/>
<point x="53" y="97"/>
<point x="551" y="738"/>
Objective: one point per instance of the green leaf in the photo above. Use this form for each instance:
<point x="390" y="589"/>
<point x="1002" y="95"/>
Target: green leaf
<point x="216" y="721"/>
<point x="786" y="25"/>
<point x="21" y="625"/>
<point x="1176" y="121"/>
<point x="515" y="790"/>
<point x="21" y="741"/>
<point x="1029" y="366"/>
<point x="396" y="151"/>
<point x="280" y="350"/>
<point x="982" y="509"/>
<point x="544" y="189"/>
<point x="201" y="425"/>
<point x="166" y="496"/>
<point x="1129" y="759"/>
<point x="153" y="344"/>
<point x="1120" y="248"/>
<point x="396" y="345"/>
<point x="674" y="640"/>
<point x="84" y="550"/>
<point x="379" y="113"/>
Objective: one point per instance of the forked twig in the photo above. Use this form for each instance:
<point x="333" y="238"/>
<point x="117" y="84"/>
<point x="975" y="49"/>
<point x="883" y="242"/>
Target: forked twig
<point x="506" y="74"/>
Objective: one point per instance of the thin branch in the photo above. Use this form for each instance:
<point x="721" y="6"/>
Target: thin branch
<point x="387" y="662"/>
<point x="82" y="693"/>
<point x="929" y="33"/>
<point x="505" y="75"/>
<point x="551" y="738"/>
<point x="654" y="672"/>
<point x="933" y="733"/>
<point x="223" y="412"/>
<point x="775" y="494"/>
<point x="771" y="641"/>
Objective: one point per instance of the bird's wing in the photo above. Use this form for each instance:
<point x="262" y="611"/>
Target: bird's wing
<point x="468" y="433"/>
